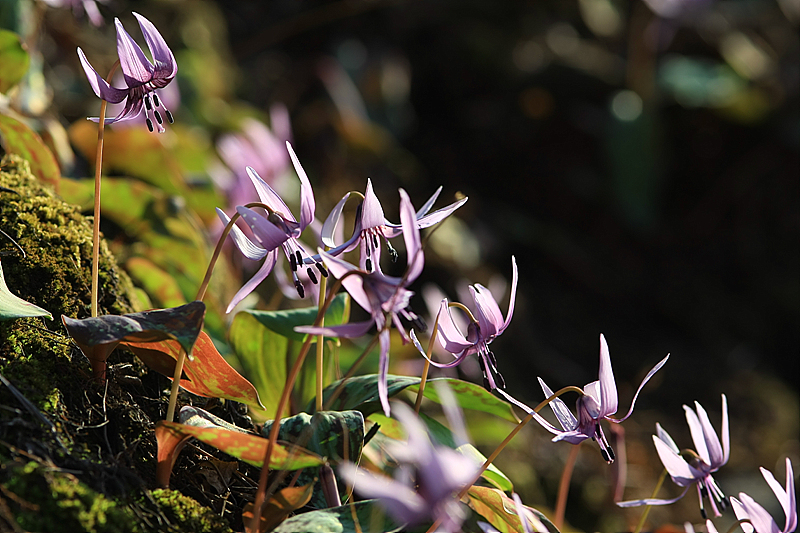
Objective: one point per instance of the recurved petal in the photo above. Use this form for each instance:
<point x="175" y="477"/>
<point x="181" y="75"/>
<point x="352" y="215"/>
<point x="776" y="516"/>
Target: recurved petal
<point x="641" y="385"/>
<point x="307" y="203"/>
<point x="165" y="64"/>
<point x="560" y="409"/>
<point x="663" y="435"/>
<point x="268" y="195"/>
<point x="608" y="387"/>
<point x="489" y="317"/>
<point x="455" y="362"/>
<point x="100" y="86"/>
<point x="573" y="437"/>
<point x="383" y="371"/>
<point x="416" y="258"/>
<point x="267" y="233"/>
<point x="726" y="431"/>
<point x="715" y="452"/>
<point x="698" y="436"/>
<point x="440" y="214"/>
<point x="741" y="514"/>
<point x="248" y="248"/>
<point x="371" y="211"/>
<point x="450" y="337"/>
<point x="354" y="284"/>
<point x="427" y="205"/>
<point x="136" y="68"/>
<point x="347" y="331"/>
<point x="259" y="276"/>
<point x="513" y="296"/>
<point x="681" y="472"/>
<point x="329" y="226"/>
<point x="762" y="521"/>
<point x="652" y="501"/>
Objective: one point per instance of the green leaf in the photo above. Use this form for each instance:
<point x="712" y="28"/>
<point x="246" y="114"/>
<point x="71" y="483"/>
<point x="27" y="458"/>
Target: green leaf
<point x="12" y="306"/>
<point x="283" y="322"/>
<point x="14" y="60"/>
<point x="17" y="138"/>
<point x="500" y="511"/>
<point x="340" y="520"/>
<point x="470" y="396"/>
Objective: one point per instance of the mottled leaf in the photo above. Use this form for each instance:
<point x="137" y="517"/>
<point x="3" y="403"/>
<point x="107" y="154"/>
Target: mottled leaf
<point x="500" y="511"/>
<point x="17" y="138"/>
<point x="361" y="517"/>
<point x="207" y="373"/>
<point x="12" y="306"/>
<point x="200" y="418"/>
<point x="283" y="322"/>
<point x="97" y="337"/>
<point x="279" y="506"/>
<point x="14" y="60"/>
<point x="249" y="448"/>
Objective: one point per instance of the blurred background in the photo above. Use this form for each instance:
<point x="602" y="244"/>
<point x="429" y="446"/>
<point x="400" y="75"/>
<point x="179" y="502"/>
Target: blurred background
<point x="639" y="159"/>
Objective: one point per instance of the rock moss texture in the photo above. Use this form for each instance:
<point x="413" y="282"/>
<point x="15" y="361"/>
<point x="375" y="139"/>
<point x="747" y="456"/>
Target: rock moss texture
<point x="75" y="455"/>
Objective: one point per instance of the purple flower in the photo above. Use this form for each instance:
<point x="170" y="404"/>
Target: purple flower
<point x="381" y="295"/>
<point x="480" y="332"/>
<point x="760" y="520"/>
<point x="278" y="229"/>
<point x="424" y="485"/>
<point x="599" y="401"/>
<point x="689" y="467"/>
<point x="372" y="227"/>
<point x="142" y="77"/>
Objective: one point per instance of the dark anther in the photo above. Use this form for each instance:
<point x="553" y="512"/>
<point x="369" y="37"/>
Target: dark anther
<point x="369" y="264"/>
<point x="371" y="433"/>
<point x="369" y="251"/>
<point x="492" y="359"/>
<point x="322" y="270"/>
<point x="158" y="117"/>
<point x="486" y="384"/>
<point x="149" y="124"/>
<point x="392" y="252"/>
<point x="299" y="257"/>
<point x="312" y="276"/>
<point x="704" y="492"/>
<point x="482" y="363"/>
<point x="723" y="503"/>
<point x="499" y="380"/>
<point x="300" y="290"/>
<point x="703" y="513"/>
<point x="375" y="243"/>
<point x="605" y="455"/>
<point x="169" y="116"/>
<point x="155" y="100"/>
<point x="292" y="263"/>
<point x="611" y="454"/>
<point x="147" y="103"/>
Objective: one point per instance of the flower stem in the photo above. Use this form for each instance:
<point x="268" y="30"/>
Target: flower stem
<point x="425" y="370"/>
<point x="646" y="512"/>
<point x="563" y="487"/>
<point x="320" y="347"/>
<point x="533" y="412"/>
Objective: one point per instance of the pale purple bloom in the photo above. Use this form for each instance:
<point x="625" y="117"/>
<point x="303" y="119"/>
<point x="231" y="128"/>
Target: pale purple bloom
<point x="88" y="6"/>
<point x="372" y="227"/>
<point x="599" y="402"/>
<point x="760" y="520"/>
<point x="142" y="77"/>
<point x="689" y="467"/>
<point x="490" y="324"/>
<point x="381" y="295"/>
<point x="278" y="229"/>
<point x="424" y="486"/>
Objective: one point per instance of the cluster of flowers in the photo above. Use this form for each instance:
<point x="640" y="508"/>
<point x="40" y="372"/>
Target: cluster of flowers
<point x="429" y="475"/>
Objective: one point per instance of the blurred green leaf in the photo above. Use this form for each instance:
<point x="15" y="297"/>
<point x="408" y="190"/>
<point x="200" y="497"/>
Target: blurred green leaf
<point x="470" y="396"/>
<point x="368" y="513"/>
<point x="12" y="306"/>
<point x="361" y="393"/>
<point x="17" y="138"/>
<point x="159" y="285"/>
<point x="500" y="511"/>
<point x="14" y="60"/>
<point x="283" y="322"/>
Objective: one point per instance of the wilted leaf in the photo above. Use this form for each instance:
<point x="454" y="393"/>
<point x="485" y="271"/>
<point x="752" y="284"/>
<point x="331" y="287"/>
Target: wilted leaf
<point x="279" y="506"/>
<point x="283" y="322"/>
<point x="14" y="60"/>
<point x="17" y="138"/>
<point x="367" y="513"/>
<point x="207" y="373"/>
<point x="500" y="511"/>
<point x="97" y="337"/>
<point x="12" y="306"/>
<point x="249" y="448"/>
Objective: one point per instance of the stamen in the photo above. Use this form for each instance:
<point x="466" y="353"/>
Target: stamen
<point x="312" y="276"/>
<point x="611" y="454"/>
<point x="169" y="116"/>
<point x="293" y="263"/>
<point x="375" y="243"/>
<point x="158" y="116"/>
<point x="368" y="262"/>
<point x="499" y="380"/>
<point x="155" y="100"/>
<point x="392" y="252"/>
<point x="299" y="257"/>
<point x="605" y="455"/>
<point x="322" y="270"/>
<point x="149" y="124"/>
<point x="300" y="290"/>
<point x="147" y="104"/>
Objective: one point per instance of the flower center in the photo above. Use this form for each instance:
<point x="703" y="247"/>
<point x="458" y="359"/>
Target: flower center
<point x="152" y="104"/>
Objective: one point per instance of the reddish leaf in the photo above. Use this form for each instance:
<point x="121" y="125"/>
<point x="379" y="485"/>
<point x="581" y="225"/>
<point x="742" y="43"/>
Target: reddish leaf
<point x="17" y="138"/>
<point x="279" y="507"/>
<point x="251" y="449"/>
<point x="97" y="337"/>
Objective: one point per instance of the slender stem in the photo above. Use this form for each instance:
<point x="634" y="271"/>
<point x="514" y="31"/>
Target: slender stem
<point x="425" y="370"/>
<point x="646" y="512"/>
<point x="176" y="380"/>
<point x="563" y="487"/>
<point x="351" y="371"/>
<point x="320" y="347"/>
<point x="505" y="442"/>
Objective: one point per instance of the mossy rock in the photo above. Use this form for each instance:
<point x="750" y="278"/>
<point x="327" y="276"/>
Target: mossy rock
<point x="75" y="455"/>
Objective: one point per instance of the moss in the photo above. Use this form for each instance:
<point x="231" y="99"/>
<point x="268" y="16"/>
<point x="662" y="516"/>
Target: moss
<point x="187" y="513"/>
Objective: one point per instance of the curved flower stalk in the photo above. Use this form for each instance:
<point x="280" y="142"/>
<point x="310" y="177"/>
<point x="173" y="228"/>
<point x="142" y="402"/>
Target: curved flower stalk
<point x="480" y="332"/>
<point x="689" y="467"/>
<point x="599" y="401"/>
<point x="372" y="227"/>
<point x="279" y="229"/>
<point x="436" y="472"/>
<point x="142" y="77"/>
<point x="386" y="298"/>
<point x="746" y="508"/>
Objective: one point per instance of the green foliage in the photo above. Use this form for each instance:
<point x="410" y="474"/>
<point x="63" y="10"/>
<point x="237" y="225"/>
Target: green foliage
<point x="14" y="60"/>
<point x="283" y="322"/>
<point x="369" y="515"/>
<point x="17" y="138"/>
<point x="187" y="514"/>
<point x="500" y="511"/>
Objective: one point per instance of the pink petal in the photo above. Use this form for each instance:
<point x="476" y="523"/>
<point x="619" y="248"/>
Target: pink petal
<point x="560" y="409"/>
<point x="136" y="68"/>
<point x="371" y="211"/>
<point x="416" y="258"/>
<point x="608" y="387"/>
<point x="166" y="66"/>
<point x="715" y="453"/>
<point x="307" y="204"/>
<point x="100" y="86"/>
<point x="354" y="284"/>
<point x="681" y="472"/>
<point x="489" y="316"/>
<point x="383" y="371"/>
<point x="698" y="436"/>
<point x="254" y="282"/>
<point x="513" y="296"/>
<point x="347" y="331"/>
<point x="267" y="233"/>
<point x="652" y="501"/>
<point x="268" y="195"/>
<point x="248" y="248"/>
<point x="641" y="385"/>
<point x="330" y="224"/>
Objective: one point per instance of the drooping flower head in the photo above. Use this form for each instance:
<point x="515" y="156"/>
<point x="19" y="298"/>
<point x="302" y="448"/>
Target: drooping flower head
<point x="690" y="467"/>
<point x="424" y="485"/>
<point x="746" y="508"/>
<point x="598" y="402"/>
<point x="372" y="227"/>
<point x="142" y="78"/>
<point x="481" y="331"/>
<point x="385" y="298"/>
<point x="278" y="229"/>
